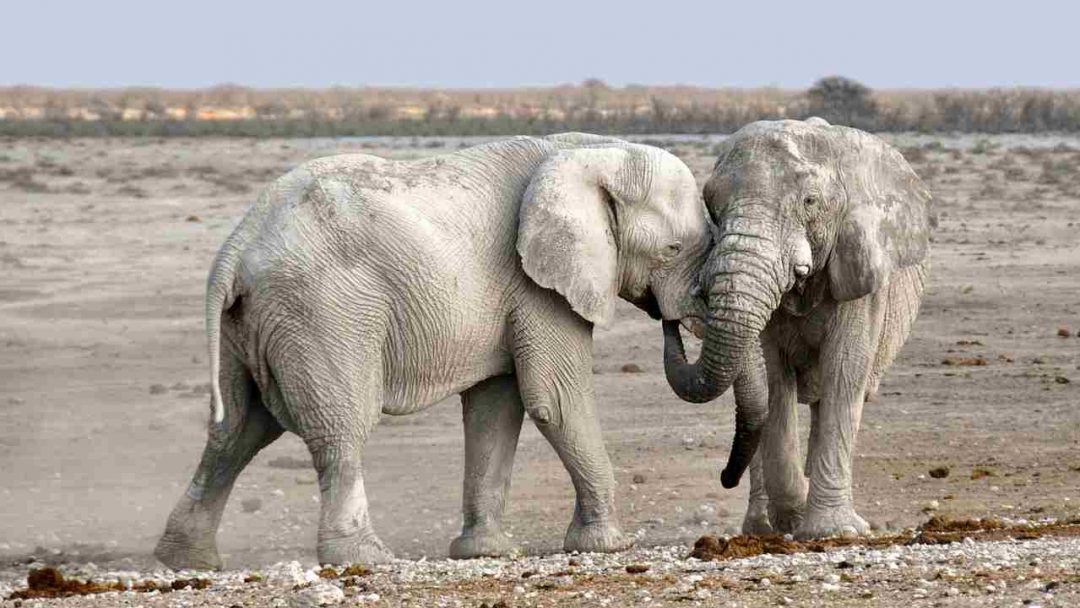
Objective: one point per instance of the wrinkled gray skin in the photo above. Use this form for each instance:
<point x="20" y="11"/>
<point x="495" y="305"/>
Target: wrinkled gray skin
<point x="358" y="286"/>
<point x="812" y="288"/>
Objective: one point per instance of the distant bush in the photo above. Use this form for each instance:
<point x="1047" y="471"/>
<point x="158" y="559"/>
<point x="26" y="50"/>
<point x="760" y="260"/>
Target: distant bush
<point x="842" y="101"/>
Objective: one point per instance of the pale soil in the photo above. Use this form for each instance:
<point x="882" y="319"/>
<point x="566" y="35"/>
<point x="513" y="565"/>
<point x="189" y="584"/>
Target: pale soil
<point x="104" y="248"/>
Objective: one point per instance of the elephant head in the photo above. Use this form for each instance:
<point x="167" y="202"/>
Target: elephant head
<point x="609" y="219"/>
<point x="804" y="211"/>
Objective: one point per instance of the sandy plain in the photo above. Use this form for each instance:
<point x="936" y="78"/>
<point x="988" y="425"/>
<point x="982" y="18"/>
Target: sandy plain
<point x="104" y="248"/>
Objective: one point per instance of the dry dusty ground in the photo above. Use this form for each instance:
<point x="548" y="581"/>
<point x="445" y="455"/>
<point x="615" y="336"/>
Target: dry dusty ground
<point x="104" y="248"/>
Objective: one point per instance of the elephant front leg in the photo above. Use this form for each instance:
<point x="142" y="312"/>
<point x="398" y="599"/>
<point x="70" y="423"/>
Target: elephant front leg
<point x="757" y="521"/>
<point x="574" y="432"/>
<point x="784" y="480"/>
<point x="492" y="413"/>
<point x="846" y="362"/>
<point x="554" y="369"/>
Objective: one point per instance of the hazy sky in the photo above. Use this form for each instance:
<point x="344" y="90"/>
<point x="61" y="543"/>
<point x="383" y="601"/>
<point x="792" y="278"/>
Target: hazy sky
<point x="504" y="43"/>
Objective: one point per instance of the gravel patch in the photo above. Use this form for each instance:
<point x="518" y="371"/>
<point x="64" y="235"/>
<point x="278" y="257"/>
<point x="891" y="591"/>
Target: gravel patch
<point x="1039" y="572"/>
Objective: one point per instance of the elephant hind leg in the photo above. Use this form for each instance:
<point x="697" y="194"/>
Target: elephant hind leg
<point x="332" y="392"/>
<point x="189" y="540"/>
<point x="493" y="413"/>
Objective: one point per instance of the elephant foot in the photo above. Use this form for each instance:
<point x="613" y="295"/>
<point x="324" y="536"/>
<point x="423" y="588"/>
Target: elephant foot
<point x="831" y="522"/>
<point x="481" y="543"/>
<point x="786" y="519"/>
<point x="179" y="552"/>
<point x="756" y="522"/>
<point x="359" y="549"/>
<point x="596" y="537"/>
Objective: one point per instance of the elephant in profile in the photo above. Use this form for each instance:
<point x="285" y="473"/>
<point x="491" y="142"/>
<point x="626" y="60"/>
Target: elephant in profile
<point x="812" y="286"/>
<point x="357" y="286"/>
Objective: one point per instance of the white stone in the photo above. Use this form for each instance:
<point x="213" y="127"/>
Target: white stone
<point x="321" y="594"/>
<point x="287" y="574"/>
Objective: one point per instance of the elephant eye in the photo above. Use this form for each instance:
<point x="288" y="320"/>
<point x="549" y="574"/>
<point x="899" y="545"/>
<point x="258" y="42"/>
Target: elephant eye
<point x="810" y="200"/>
<point x="673" y="249"/>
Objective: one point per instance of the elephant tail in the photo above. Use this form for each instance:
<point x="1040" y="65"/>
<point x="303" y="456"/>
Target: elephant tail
<point x="220" y="295"/>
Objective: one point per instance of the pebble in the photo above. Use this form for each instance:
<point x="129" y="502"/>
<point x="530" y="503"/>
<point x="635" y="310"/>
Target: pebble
<point x="932" y="571"/>
<point x="320" y="594"/>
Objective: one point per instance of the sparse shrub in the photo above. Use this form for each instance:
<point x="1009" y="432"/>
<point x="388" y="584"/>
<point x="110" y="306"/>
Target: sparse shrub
<point x="1015" y="174"/>
<point x="841" y="100"/>
<point x="22" y="178"/>
<point x="591" y="106"/>
<point x="914" y="154"/>
<point x="1057" y="172"/>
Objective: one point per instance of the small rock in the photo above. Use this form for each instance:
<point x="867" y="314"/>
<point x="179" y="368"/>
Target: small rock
<point x="1061" y="380"/>
<point x="632" y="368"/>
<point x="637" y="568"/>
<point x="288" y="574"/>
<point x="933" y="505"/>
<point x="831" y="579"/>
<point x="939" y="472"/>
<point x="1063" y="332"/>
<point x="638" y="478"/>
<point x="321" y="594"/>
<point x="158" y="389"/>
<point x="193" y="218"/>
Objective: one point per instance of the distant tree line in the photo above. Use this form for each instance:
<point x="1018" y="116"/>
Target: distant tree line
<point x="592" y="106"/>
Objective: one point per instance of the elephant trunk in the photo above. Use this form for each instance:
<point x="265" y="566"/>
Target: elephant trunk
<point x="741" y="300"/>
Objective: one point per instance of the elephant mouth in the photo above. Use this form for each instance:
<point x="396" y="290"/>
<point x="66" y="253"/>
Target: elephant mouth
<point x="694" y="325"/>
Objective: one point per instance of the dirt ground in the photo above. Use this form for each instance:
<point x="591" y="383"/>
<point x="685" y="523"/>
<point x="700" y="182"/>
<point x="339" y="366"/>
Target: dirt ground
<point x="104" y="249"/>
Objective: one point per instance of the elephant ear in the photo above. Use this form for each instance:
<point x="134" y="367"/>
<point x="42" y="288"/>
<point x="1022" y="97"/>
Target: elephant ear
<point x="566" y="229"/>
<point x="887" y="226"/>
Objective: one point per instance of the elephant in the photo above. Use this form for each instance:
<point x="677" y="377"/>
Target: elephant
<point x="357" y="286"/>
<point x="813" y="284"/>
